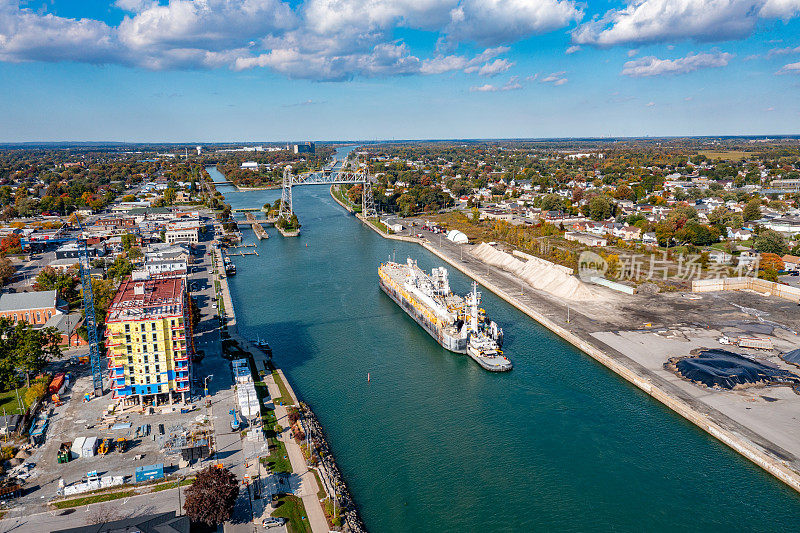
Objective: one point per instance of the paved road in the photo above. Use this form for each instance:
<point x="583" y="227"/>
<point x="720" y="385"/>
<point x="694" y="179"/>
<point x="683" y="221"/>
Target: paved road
<point x="222" y="395"/>
<point x="134" y="506"/>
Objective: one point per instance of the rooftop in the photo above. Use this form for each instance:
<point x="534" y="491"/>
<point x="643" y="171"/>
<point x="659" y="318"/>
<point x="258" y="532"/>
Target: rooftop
<point x="147" y="299"/>
<point x="21" y="301"/>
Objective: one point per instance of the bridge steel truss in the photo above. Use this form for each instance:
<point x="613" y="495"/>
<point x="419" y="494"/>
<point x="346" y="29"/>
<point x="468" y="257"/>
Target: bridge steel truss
<point x="357" y="175"/>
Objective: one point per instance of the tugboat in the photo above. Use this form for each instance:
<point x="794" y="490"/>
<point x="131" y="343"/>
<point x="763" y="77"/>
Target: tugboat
<point x="230" y="268"/>
<point x="262" y="345"/>
<point x="483" y="346"/>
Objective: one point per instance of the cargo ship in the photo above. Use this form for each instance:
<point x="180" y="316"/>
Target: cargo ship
<point x="458" y="324"/>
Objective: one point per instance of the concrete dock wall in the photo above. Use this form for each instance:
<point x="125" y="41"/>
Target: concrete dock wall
<point x="774" y="466"/>
<point x="738" y="443"/>
<point x="780" y="290"/>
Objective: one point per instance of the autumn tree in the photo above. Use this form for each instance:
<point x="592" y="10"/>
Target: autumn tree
<point x="211" y="497"/>
<point x="169" y="196"/>
<point x="771" y="261"/>
<point x="7" y="270"/>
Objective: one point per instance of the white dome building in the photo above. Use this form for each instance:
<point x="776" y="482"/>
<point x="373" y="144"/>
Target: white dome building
<point x="457" y="237"/>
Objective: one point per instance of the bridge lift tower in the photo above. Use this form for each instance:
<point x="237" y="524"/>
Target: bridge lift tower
<point x="359" y="175"/>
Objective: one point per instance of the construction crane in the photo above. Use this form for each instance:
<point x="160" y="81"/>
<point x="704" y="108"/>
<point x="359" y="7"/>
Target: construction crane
<point x="88" y="310"/>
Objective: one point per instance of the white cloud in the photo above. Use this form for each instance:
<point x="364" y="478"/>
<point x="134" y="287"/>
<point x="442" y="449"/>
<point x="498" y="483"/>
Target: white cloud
<point x="493" y="22"/>
<point x="134" y="6"/>
<point x="495" y="67"/>
<point x="780" y="9"/>
<point x="204" y="24"/>
<point x="783" y="51"/>
<point x="555" y="78"/>
<point x="572" y="49"/>
<point x="315" y="39"/>
<point x="633" y="52"/>
<point x="487" y="88"/>
<point x="27" y="36"/>
<point x="480" y="64"/>
<point x="653" y="66"/>
<point x="651" y="104"/>
<point x="384" y="60"/>
<point x="652" y="21"/>
<point x="512" y="84"/>
<point x="791" y="68"/>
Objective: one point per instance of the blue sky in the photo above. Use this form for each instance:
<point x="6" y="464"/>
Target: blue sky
<point x="261" y="70"/>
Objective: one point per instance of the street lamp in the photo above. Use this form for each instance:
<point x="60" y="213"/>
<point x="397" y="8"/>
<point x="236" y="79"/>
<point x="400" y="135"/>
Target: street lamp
<point x="205" y="384"/>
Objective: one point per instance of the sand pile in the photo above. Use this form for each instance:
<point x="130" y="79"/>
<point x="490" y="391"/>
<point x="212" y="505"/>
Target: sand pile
<point x="538" y="273"/>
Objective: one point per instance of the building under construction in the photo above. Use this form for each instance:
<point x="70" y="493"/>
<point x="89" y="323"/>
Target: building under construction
<point x="149" y="340"/>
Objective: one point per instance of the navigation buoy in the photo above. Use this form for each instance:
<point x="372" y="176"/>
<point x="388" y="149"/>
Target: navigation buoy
<point x="367" y="377"/>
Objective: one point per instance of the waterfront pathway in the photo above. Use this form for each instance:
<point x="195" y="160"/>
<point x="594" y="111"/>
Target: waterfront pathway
<point x="248" y="463"/>
<point x="308" y="484"/>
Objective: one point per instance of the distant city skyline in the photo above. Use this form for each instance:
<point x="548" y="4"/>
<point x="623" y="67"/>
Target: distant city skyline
<point x="217" y="71"/>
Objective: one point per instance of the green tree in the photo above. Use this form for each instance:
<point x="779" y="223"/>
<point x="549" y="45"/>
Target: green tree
<point x="120" y="268"/>
<point x="169" y="196"/>
<point x="211" y="497"/>
<point x="552" y="202"/>
<point x="601" y="208"/>
<point x="770" y="241"/>
<point x="26" y="349"/>
<point x="135" y="253"/>
<point x="64" y="282"/>
<point x="752" y="210"/>
<point x="128" y="240"/>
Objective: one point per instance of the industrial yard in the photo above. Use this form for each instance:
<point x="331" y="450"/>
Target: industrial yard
<point x="142" y="443"/>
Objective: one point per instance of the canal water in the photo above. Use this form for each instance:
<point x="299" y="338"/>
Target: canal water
<point x="434" y="443"/>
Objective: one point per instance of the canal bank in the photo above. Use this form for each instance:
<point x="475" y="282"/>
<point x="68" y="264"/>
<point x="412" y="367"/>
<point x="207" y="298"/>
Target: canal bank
<point x="751" y="445"/>
<point x="308" y="489"/>
<point x="436" y="442"/>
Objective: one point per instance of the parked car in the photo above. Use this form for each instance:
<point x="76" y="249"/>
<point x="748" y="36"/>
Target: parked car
<point x="272" y="522"/>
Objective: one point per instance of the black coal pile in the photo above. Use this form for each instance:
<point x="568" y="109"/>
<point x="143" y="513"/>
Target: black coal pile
<point x="792" y="357"/>
<point x="728" y="370"/>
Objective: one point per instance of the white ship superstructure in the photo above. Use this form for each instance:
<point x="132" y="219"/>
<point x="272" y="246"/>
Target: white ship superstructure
<point x="457" y="324"/>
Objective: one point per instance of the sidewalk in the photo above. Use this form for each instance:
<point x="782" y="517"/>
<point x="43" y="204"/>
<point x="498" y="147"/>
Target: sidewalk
<point x="308" y="484"/>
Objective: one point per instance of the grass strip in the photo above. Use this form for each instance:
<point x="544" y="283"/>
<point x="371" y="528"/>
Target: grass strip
<point x="321" y="494"/>
<point x="172" y="485"/>
<point x="285" y="396"/>
<point x="97" y="498"/>
<point x="292" y="509"/>
<point x="278" y="459"/>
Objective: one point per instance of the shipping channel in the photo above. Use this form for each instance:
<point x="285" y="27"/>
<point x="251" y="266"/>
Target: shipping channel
<point x="435" y="443"/>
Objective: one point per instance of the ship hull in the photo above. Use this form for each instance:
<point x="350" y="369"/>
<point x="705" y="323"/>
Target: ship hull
<point x="448" y="342"/>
